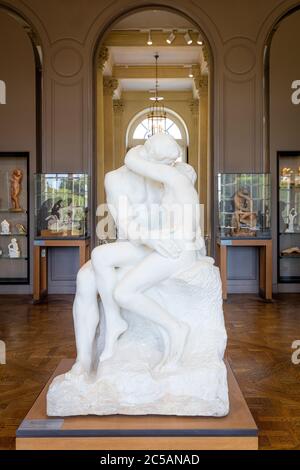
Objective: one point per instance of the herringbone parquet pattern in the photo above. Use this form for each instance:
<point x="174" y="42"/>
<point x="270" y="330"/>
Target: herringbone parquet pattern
<point x="259" y="350"/>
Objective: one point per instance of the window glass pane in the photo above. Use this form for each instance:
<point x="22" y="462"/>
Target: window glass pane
<point x="142" y="130"/>
<point x="173" y="129"/>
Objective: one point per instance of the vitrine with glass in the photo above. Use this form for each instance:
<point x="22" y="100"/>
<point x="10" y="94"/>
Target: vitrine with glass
<point x="61" y="206"/>
<point x="289" y="217"/>
<point x="244" y="203"/>
<point x="14" y="218"/>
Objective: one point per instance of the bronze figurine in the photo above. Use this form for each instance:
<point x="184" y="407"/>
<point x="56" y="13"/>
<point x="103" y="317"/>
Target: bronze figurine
<point x="15" y="189"/>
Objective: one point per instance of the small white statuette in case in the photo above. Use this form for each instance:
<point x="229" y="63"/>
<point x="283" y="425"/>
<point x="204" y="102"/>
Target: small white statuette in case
<point x="5" y="228"/>
<point x="13" y="249"/>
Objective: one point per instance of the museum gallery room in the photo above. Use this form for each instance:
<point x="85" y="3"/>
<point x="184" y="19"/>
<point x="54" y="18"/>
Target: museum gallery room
<point x="149" y="225"/>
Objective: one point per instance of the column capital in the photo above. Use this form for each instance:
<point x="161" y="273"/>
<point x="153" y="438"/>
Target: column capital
<point x="103" y="56"/>
<point x="109" y="85"/>
<point x="118" y="106"/>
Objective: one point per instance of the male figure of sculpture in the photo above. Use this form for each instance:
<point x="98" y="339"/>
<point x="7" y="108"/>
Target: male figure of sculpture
<point x="139" y="248"/>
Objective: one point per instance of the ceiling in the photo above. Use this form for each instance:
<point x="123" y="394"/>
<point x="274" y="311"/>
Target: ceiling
<point x="124" y="51"/>
<point x="145" y="55"/>
<point x="165" y="84"/>
<point x="154" y="19"/>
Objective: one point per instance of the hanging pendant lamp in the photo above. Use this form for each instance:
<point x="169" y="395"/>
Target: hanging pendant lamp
<point x="157" y="116"/>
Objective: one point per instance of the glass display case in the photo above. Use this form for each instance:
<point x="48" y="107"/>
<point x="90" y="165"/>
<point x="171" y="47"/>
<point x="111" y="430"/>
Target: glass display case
<point x="61" y="206"/>
<point x="244" y="202"/>
<point x="289" y="217"/>
<point x="14" y="220"/>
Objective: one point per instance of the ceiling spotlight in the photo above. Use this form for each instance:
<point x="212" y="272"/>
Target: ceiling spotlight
<point x="188" y="38"/>
<point x="200" y="40"/>
<point x="191" y="75"/>
<point x="170" y="38"/>
<point x="149" y="42"/>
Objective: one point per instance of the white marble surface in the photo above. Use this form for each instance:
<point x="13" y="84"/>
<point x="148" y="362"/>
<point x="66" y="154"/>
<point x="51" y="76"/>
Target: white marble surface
<point x="128" y="382"/>
<point x="162" y="337"/>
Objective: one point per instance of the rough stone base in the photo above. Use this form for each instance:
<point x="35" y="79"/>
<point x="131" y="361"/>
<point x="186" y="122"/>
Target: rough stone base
<point x="128" y="383"/>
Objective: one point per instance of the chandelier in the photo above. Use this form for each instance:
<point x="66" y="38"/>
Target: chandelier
<point x="157" y="116"/>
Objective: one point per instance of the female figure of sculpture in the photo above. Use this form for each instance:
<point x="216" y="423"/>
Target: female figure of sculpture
<point x="15" y="189"/>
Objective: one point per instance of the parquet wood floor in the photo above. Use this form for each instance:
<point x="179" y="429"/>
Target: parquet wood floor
<point x="260" y="336"/>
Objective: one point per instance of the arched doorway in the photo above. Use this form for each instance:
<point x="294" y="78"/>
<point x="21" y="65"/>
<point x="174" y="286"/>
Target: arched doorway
<point x="20" y="123"/>
<point x="124" y="64"/>
<point x="282" y="69"/>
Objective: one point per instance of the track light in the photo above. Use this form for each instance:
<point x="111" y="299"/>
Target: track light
<point x="188" y="38"/>
<point x="200" y="40"/>
<point x="170" y="38"/>
<point x="149" y="42"/>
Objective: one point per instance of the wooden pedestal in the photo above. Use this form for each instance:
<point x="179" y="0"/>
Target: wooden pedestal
<point x="237" y="431"/>
<point x="265" y="263"/>
<point x="40" y="254"/>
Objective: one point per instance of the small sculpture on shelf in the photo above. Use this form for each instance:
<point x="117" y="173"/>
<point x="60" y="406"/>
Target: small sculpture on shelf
<point x="42" y="216"/>
<point x="55" y="211"/>
<point x="63" y="220"/>
<point x="244" y="220"/>
<point x="15" y="189"/>
<point x="292" y="216"/>
<point x="21" y="229"/>
<point x="5" y="227"/>
<point x="286" y="178"/>
<point x="61" y="202"/>
<point x="51" y="223"/>
<point x="267" y="217"/>
<point x="293" y="251"/>
<point x="13" y="249"/>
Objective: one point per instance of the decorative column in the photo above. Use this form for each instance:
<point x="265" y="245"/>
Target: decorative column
<point x="203" y="160"/>
<point x="109" y="86"/>
<point x="193" y="145"/>
<point x="119" y="133"/>
<point x="102" y="59"/>
<point x="206" y="55"/>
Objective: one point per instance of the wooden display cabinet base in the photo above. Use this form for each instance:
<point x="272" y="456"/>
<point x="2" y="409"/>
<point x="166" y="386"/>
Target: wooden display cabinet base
<point x="40" y="256"/>
<point x="237" y="431"/>
<point x="265" y="263"/>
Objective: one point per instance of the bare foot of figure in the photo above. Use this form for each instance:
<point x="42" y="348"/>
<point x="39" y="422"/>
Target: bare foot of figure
<point x="78" y="369"/>
<point x="178" y="340"/>
<point x="114" y="335"/>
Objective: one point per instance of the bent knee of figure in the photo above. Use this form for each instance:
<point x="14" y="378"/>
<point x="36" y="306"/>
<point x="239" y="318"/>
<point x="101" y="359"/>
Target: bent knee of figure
<point x="123" y="296"/>
<point x="100" y="258"/>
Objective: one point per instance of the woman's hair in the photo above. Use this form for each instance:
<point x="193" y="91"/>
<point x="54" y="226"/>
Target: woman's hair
<point x="163" y="146"/>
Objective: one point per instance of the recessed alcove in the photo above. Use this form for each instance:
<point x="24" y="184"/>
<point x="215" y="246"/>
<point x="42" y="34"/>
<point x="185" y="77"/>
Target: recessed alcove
<point x="125" y="69"/>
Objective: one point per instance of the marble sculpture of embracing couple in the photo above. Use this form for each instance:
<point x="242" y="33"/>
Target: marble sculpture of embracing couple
<point x="148" y="315"/>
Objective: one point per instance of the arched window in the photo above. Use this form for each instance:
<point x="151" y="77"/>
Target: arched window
<point x="138" y="130"/>
<point x="2" y="92"/>
<point x="143" y="131"/>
